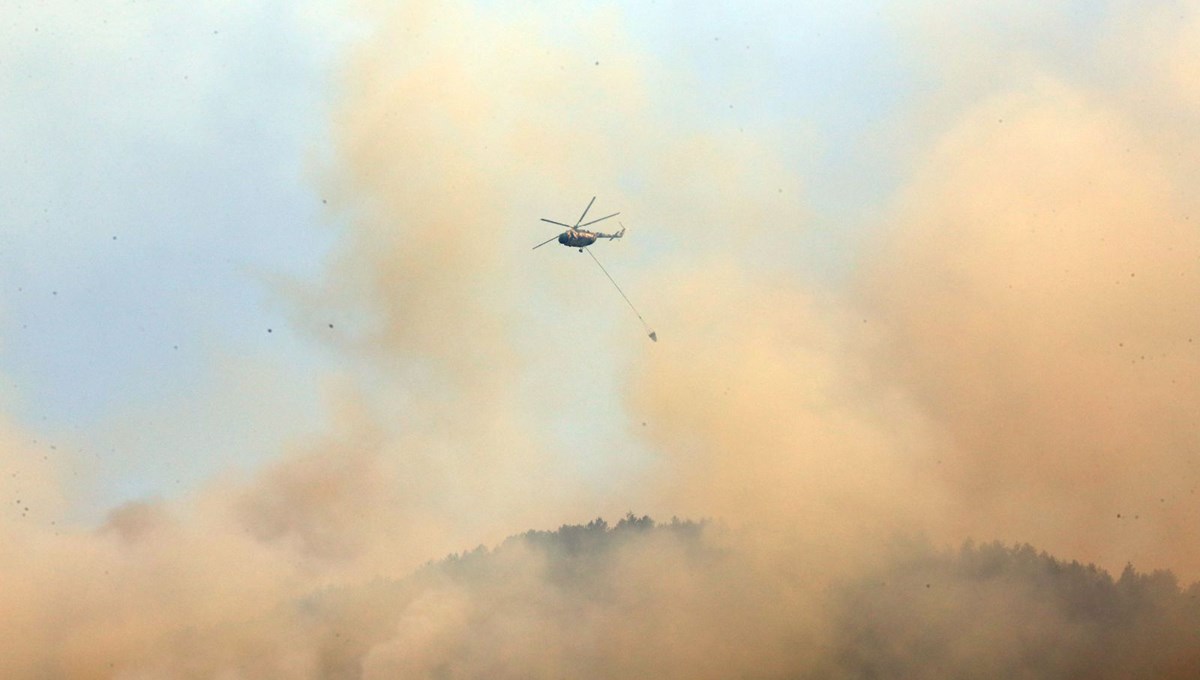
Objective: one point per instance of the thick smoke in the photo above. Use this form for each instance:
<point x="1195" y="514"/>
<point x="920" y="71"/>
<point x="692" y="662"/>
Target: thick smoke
<point x="1015" y="361"/>
<point x="1038" y="286"/>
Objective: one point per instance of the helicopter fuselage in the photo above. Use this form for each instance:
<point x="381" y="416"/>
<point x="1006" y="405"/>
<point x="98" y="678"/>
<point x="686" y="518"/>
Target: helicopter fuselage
<point x="580" y="238"/>
<point x="577" y="238"/>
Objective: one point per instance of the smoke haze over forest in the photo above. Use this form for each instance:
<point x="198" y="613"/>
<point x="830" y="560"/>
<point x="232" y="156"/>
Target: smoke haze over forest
<point x="964" y="314"/>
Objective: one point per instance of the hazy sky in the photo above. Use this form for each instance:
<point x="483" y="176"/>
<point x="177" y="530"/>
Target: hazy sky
<point x="161" y="175"/>
<point x="221" y="223"/>
<point x="270" y="324"/>
<point x="156" y="172"/>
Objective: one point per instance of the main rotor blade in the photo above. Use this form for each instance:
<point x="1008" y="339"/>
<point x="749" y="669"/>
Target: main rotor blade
<point x="558" y="223"/>
<point x="585" y="210"/>
<point x="599" y="220"/>
<point x="545" y="242"/>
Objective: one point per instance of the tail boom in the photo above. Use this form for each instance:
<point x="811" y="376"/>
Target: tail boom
<point x="610" y="237"/>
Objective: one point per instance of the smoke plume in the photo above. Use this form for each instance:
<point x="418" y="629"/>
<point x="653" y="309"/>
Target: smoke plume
<point x="1015" y="359"/>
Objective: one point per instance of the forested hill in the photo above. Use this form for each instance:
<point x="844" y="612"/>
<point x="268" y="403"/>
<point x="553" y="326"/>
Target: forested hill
<point x="997" y="611"/>
<point x="691" y="600"/>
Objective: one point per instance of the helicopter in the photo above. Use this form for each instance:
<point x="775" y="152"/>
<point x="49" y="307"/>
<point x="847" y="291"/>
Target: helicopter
<point x="578" y="236"/>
